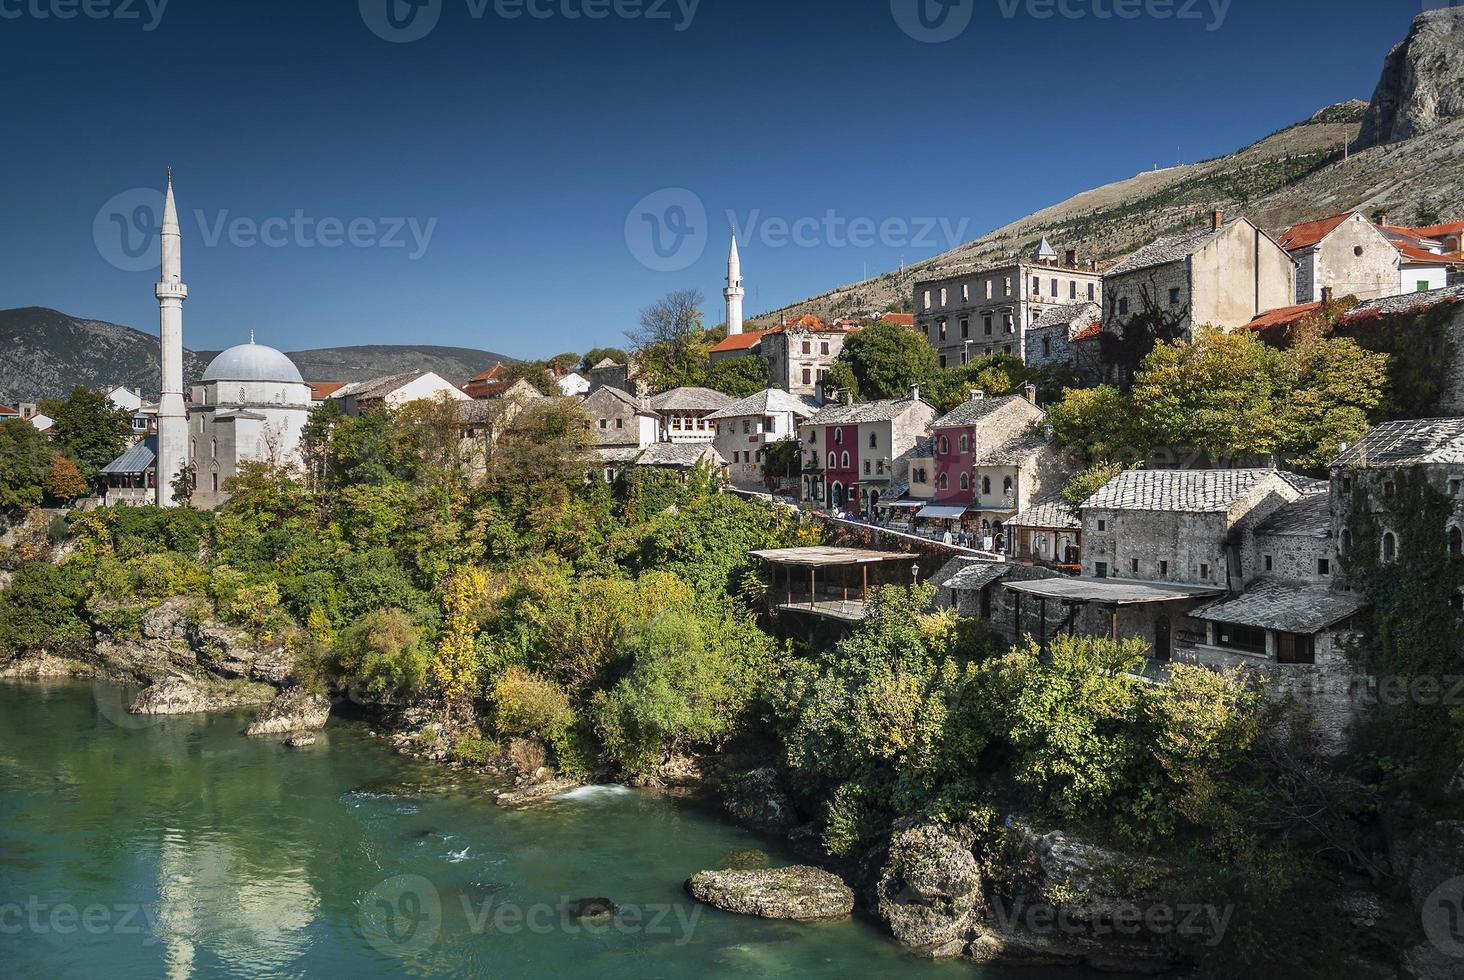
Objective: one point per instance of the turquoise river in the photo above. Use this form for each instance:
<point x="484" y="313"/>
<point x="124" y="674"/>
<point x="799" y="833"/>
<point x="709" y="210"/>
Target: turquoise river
<point x="177" y="848"/>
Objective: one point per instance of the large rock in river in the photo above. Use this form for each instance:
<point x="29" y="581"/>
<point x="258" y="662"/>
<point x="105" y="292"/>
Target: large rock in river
<point x="181" y="696"/>
<point x="295" y="710"/>
<point x="930" y="891"/>
<point x="801" y="893"/>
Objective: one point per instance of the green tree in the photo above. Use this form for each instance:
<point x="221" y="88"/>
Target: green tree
<point x="597" y="354"/>
<point x="671" y="344"/>
<point x="383" y="652"/>
<point x="1083" y="485"/>
<point x="89" y="429"/>
<point x="739" y="377"/>
<point x="25" y="465"/>
<point x="885" y="359"/>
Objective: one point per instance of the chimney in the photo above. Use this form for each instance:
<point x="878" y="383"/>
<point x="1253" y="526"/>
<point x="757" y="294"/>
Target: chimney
<point x="976" y="394"/>
<point x="1327" y="294"/>
<point x="1030" y="390"/>
<point x="1217" y="219"/>
<point x="914" y="393"/>
<point x="1072" y="258"/>
<point x="1381" y="220"/>
<point x="846" y="396"/>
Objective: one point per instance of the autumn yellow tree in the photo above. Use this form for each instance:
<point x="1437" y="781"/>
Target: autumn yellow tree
<point x="455" y="668"/>
<point x="64" y="481"/>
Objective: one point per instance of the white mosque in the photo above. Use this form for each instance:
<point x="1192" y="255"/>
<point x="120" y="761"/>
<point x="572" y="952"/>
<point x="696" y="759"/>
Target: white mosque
<point x="251" y="404"/>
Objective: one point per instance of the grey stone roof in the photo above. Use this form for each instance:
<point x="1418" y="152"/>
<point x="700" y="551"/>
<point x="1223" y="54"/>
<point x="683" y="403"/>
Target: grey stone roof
<point x="1194" y="491"/>
<point x="1391" y="305"/>
<point x="768" y="402"/>
<point x="978" y="575"/>
<point x="1309" y="517"/>
<point x="1162" y="251"/>
<point x="1068" y="314"/>
<point x="1291" y="607"/>
<point x="377" y="387"/>
<point x="1407" y="443"/>
<point x="618" y="454"/>
<point x="624" y="397"/>
<point x="972" y="411"/>
<point x="678" y="455"/>
<point x="1053" y="513"/>
<point x="880" y="411"/>
<point x="1014" y="451"/>
<point x="690" y="400"/>
<point x="1305" y="484"/>
<point x="137" y="459"/>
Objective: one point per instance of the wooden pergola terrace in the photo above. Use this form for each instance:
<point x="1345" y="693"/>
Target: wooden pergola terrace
<point x="830" y="582"/>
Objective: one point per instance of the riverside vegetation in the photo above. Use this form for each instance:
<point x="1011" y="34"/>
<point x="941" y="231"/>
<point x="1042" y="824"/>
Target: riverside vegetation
<point x="495" y="608"/>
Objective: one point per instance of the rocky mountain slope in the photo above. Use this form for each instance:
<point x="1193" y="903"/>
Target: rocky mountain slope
<point x="46" y="353"/>
<point x="1400" y="155"/>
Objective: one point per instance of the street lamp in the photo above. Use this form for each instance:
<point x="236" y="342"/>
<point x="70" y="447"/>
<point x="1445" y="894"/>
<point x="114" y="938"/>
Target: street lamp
<point x="966" y="351"/>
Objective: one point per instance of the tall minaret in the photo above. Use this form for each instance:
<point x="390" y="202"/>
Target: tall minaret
<point x="734" y="291"/>
<point x="172" y="415"/>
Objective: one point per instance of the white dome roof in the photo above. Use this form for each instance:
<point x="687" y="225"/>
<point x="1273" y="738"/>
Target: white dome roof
<point x="253" y="362"/>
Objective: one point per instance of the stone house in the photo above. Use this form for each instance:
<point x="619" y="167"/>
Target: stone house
<point x="745" y="428"/>
<point x="1222" y="275"/>
<point x="989" y="311"/>
<point x="1345" y="253"/>
<point x="992" y="459"/>
<point x="1425" y="262"/>
<point x="1047" y="533"/>
<point x="396" y="390"/>
<point x="853" y="453"/>
<point x="683" y="459"/>
<point x="1050" y="340"/>
<point x="799" y="353"/>
<point x="622" y="426"/>
<point x="684" y="414"/>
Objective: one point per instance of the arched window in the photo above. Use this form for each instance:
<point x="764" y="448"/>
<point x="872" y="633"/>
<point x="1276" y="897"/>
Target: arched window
<point x="1456" y="542"/>
<point x="943" y="482"/>
<point x="965" y="481"/>
<point x="838" y="437"/>
<point x="1006" y="485"/>
<point x="1346" y="540"/>
<point x="874" y="440"/>
<point x="945" y="445"/>
<point x="1390" y="546"/>
<point x="833" y="460"/>
<point x="213" y="448"/>
<point x="844" y="461"/>
<point x="241" y="394"/>
<point x="965" y="444"/>
<point x="986" y="484"/>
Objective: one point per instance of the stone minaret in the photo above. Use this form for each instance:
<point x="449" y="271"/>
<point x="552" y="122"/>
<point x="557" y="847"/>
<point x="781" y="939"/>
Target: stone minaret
<point x="172" y="415"/>
<point x="734" y="291"/>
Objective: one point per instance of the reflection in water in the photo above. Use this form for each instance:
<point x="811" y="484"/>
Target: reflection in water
<point x="239" y="858"/>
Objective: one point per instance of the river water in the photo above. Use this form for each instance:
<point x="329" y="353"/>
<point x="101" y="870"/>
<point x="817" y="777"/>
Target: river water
<point x="177" y="848"/>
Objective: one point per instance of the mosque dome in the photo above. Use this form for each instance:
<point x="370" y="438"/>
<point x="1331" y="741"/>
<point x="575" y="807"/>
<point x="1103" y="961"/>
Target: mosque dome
<point x="253" y="362"/>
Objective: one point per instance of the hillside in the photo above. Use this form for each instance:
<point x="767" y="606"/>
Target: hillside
<point x="48" y="352"/>
<point x="1412" y="172"/>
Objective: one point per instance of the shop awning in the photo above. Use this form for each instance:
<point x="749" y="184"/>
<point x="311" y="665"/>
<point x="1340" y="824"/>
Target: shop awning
<point x="942" y="513"/>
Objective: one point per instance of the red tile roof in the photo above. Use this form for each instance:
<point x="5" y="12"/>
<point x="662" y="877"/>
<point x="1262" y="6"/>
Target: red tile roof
<point x="7" y="410"/>
<point x="1089" y="332"/>
<point x="1283" y="316"/>
<point x="1439" y="231"/>
<point x="903" y="319"/>
<point x="492" y="374"/>
<point x="740" y="341"/>
<point x="1309" y="233"/>
<point x="1417" y="255"/>
<point x="486" y="389"/>
<point x="321" y="390"/>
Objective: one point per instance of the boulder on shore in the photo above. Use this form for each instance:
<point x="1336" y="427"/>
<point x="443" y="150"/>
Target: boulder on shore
<point x="801" y="893"/>
<point x="300" y="740"/>
<point x="930" y="891"/>
<point x="756" y="800"/>
<point x="295" y="710"/>
<point x="180" y="696"/>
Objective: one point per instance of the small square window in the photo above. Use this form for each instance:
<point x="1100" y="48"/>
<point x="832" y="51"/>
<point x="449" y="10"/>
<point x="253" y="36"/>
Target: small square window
<point x="1205" y="572"/>
<point x="1453" y="488"/>
<point x="1102" y="525"/>
<point x="1174" y="297"/>
<point x="1134" y="566"/>
<point x="1269" y="563"/>
<point x="1163" y="569"/>
<point x="1324" y="566"/>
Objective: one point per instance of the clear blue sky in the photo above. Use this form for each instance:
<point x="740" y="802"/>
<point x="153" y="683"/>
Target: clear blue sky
<point x="525" y="144"/>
